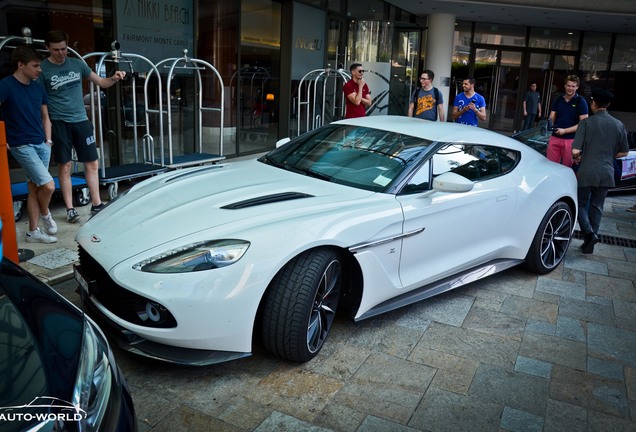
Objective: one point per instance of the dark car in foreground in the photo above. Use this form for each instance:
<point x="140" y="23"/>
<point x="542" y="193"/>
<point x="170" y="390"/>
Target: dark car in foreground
<point x="625" y="167"/>
<point x="57" y="371"/>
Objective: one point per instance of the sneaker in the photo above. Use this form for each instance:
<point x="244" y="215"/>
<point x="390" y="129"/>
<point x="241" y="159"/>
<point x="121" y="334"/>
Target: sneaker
<point x="72" y="216"/>
<point x="97" y="209"/>
<point x="632" y="209"/>
<point x="38" y="236"/>
<point x="49" y="224"/>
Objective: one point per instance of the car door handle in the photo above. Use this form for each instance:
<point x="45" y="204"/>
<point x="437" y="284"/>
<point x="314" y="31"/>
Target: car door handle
<point x="502" y="198"/>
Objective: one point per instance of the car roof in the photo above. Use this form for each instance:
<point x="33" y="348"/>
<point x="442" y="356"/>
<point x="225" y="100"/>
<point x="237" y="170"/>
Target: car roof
<point x="435" y="131"/>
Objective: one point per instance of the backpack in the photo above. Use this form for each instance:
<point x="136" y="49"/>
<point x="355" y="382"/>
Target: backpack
<point x="436" y="95"/>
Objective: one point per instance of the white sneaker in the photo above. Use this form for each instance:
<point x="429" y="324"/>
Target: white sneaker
<point x="38" y="236"/>
<point x="49" y="224"/>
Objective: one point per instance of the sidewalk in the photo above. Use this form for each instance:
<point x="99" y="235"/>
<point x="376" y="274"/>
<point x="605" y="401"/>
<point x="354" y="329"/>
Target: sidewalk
<point x="53" y="262"/>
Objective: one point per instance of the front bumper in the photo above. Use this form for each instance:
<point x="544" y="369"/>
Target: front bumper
<point x="134" y="343"/>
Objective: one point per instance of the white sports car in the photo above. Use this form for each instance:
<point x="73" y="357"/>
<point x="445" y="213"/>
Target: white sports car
<point x="360" y="217"/>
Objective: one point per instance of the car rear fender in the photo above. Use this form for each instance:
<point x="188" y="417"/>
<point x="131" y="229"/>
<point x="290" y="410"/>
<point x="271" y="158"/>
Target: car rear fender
<point x="536" y="198"/>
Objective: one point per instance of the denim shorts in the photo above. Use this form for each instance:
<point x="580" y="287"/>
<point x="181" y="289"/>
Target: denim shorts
<point x="34" y="159"/>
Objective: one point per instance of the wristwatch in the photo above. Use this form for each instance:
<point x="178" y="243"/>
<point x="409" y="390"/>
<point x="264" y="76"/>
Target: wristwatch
<point x="49" y="142"/>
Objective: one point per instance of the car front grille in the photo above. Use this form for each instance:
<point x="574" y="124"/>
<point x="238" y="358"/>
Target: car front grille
<point x="126" y="305"/>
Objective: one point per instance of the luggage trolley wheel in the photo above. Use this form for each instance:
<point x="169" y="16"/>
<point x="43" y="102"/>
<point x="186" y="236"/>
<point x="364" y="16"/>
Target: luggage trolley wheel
<point x="17" y="210"/>
<point x="112" y="191"/>
<point x="81" y="196"/>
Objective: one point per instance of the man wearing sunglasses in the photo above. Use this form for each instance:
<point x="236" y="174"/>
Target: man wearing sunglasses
<point x="356" y="90"/>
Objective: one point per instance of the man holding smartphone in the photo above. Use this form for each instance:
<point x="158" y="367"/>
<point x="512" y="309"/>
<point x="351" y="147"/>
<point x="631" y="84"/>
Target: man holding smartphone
<point x="469" y="107"/>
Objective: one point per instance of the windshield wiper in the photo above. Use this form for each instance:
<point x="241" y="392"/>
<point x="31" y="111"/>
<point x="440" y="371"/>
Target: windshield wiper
<point x="305" y="171"/>
<point x="318" y="175"/>
<point x="387" y="154"/>
<point x="271" y="161"/>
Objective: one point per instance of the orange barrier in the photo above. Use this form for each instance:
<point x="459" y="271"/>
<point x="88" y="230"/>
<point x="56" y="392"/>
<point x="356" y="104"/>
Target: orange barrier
<point x="9" y="240"/>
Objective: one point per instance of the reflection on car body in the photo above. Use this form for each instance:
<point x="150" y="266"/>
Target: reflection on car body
<point x="57" y="371"/>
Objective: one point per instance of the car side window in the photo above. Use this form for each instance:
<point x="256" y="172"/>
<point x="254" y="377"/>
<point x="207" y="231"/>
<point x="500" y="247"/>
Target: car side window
<point x="473" y="161"/>
<point x="420" y="181"/>
<point x="476" y="162"/>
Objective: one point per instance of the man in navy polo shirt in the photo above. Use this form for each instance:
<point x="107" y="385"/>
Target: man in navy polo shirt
<point x="566" y="112"/>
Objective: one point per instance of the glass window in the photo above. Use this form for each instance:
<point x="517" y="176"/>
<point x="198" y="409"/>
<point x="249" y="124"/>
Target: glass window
<point x="624" y="58"/>
<point x="334" y="38"/>
<point x="593" y="65"/>
<point x="255" y="85"/>
<point x="370" y="41"/>
<point x="317" y="3"/>
<point x="550" y="38"/>
<point x="595" y="51"/>
<point x="366" y="9"/>
<point x="420" y="181"/>
<point x="461" y="46"/>
<point x="499" y="34"/>
<point x="217" y="42"/>
<point x="335" y="5"/>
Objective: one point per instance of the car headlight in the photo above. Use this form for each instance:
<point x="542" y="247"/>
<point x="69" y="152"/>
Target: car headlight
<point x="196" y="257"/>
<point x="94" y="378"/>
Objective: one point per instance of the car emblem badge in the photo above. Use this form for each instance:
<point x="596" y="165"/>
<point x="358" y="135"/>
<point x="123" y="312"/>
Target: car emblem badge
<point x="95" y="239"/>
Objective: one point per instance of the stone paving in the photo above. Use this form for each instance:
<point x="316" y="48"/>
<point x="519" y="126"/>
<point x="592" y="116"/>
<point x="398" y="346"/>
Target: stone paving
<point x="513" y="352"/>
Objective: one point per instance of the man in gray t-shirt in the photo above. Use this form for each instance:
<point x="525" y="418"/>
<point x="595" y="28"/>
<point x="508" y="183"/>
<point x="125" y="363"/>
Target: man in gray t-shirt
<point x="427" y="101"/>
<point x="62" y="77"/>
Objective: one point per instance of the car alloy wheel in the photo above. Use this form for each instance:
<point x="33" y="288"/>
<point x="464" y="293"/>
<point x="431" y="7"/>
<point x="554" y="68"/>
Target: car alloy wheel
<point x="301" y="305"/>
<point x="552" y="239"/>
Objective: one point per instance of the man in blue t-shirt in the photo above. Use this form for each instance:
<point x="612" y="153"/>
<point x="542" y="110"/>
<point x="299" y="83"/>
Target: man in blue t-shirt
<point x="469" y="107"/>
<point x="28" y="129"/>
<point x="62" y="78"/>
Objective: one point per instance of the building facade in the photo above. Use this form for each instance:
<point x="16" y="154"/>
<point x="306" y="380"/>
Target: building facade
<point x="271" y="69"/>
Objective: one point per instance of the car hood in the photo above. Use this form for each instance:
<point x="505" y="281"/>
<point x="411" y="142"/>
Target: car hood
<point x="224" y="201"/>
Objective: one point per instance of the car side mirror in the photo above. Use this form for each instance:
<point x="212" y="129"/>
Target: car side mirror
<point x="282" y="142"/>
<point x="450" y="182"/>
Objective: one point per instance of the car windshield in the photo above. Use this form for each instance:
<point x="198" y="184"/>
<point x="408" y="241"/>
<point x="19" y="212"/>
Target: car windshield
<point x="360" y="157"/>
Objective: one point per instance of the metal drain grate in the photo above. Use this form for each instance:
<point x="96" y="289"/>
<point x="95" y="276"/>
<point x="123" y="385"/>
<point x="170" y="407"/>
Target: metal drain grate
<point x="610" y="240"/>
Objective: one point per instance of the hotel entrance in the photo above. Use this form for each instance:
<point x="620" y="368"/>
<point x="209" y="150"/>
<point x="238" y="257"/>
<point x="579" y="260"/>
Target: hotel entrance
<point x="504" y="74"/>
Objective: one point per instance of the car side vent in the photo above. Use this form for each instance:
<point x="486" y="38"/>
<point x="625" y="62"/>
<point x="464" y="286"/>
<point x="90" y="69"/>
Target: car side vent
<point x="267" y="199"/>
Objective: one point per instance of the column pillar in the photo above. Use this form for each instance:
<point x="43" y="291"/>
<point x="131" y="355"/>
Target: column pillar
<point x="439" y="53"/>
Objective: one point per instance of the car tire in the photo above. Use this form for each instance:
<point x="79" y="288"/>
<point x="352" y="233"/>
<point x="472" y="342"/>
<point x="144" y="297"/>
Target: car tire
<point x="301" y="304"/>
<point x="552" y="239"/>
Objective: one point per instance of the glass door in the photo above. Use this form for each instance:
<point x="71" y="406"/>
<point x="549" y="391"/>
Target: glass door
<point x="548" y="70"/>
<point x="404" y="71"/>
<point x="497" y="74"/>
